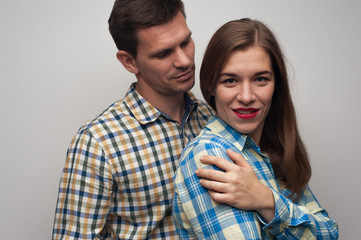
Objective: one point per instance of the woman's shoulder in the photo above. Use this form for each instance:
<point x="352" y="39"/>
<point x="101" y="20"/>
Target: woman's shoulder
<point x="209" y="139"/>
<point x="206" y="143"/>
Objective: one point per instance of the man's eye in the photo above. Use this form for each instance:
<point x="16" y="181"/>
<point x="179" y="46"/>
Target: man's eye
<point x="184" y="44"/>
<point x="162" y="54"/>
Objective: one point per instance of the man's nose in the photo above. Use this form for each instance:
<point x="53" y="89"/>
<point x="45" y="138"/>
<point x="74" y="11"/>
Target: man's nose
<point x="181" y="58"/>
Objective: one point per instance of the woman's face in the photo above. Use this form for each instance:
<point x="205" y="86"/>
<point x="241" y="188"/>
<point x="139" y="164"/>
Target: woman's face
<point x="244" y="91"/>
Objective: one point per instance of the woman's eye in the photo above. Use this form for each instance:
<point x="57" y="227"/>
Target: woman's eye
<point x="261" y="80"/>
<point x="229" y="80"/>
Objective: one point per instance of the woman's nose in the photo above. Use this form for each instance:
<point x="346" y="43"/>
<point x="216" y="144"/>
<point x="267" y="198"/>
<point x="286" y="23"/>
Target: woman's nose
<point x="245" y="93"/>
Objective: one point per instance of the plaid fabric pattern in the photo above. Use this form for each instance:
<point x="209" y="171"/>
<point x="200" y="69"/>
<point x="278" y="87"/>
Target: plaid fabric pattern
<point x="197" y="216"/>
<point x="117" y="182"/>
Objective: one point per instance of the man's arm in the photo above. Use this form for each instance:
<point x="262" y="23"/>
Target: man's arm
<point x="84" y="191"/>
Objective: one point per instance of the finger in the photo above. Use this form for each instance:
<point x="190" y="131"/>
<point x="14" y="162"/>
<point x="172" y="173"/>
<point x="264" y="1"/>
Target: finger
<point x="213" y="185"/>
<point x="220" y="162"/>
<point x="216" y="196"/>
<point x="219" y="197"/>
<point x="237" y="158"/>
<point x="211" y="174"/>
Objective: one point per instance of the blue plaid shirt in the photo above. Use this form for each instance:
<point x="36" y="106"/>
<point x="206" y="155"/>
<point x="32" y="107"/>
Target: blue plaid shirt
<point x="197" y="216"/>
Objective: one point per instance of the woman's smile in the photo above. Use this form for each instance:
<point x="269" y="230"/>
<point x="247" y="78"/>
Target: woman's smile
<point x="246" y="113"/>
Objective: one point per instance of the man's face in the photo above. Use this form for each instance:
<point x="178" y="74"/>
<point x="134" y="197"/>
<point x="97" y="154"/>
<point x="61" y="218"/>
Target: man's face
<point x="165" y="59"/>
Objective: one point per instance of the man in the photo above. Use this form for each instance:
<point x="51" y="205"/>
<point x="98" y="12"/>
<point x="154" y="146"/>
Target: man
<point x="117" y="182"/>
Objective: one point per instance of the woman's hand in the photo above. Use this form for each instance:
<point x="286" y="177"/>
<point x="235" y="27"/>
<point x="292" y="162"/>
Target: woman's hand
<point x="237" y="186"/>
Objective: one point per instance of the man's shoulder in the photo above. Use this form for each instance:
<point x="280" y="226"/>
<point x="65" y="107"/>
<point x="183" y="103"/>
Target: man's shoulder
<point x="116" y="116"/>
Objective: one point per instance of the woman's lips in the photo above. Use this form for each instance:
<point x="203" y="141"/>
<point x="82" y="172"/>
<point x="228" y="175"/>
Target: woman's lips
<point x="246" y="113"/>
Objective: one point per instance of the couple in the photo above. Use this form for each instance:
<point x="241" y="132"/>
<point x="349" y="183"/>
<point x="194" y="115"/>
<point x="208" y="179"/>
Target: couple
<point x="117" y="182"/>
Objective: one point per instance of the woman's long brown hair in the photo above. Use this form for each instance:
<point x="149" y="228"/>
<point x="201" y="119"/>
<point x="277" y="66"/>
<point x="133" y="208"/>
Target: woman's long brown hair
<point x="280" y="137"/>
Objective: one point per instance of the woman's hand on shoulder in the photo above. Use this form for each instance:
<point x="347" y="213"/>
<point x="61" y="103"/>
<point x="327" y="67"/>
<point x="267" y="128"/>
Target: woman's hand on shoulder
<point x="237" y="185"/>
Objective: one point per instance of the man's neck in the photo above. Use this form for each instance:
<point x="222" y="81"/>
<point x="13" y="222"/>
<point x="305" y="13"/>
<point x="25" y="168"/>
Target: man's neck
<point x="171" y="105"/>
<point x="174" y="108"/>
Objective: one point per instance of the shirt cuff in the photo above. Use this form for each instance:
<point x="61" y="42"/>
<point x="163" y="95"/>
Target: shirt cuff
<point x="282" y="215"/>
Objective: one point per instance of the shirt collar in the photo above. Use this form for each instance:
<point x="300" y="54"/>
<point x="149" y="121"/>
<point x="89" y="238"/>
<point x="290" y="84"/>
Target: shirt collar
<point x="224" y="130"/>
<point x="145" y="112"/>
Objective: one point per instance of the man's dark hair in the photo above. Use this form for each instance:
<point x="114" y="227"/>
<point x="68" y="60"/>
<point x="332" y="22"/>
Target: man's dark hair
<point x="128" y="16"/>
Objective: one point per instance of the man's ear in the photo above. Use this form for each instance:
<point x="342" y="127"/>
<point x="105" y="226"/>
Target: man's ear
<point x="128" y="61"/>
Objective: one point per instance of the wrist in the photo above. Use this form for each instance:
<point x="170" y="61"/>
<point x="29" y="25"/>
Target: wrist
<point x="266" y="204"/>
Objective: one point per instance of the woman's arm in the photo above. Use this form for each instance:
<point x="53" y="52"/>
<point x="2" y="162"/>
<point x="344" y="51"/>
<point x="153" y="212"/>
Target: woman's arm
<point x="194" y="211"/>
<point x="300" y="219"/>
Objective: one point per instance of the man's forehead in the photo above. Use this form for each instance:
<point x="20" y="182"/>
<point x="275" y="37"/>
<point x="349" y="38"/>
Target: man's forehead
<point x="164" y="35"/>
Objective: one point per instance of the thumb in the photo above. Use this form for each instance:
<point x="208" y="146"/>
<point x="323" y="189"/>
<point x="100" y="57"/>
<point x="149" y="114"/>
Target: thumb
<point x="237" y="158"/>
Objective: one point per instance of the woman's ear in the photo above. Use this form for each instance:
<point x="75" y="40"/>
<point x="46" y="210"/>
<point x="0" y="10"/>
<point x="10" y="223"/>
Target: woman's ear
<point x="211" y="91"/>
<point x="128" y="61"/>
<point x="212" y="100"/>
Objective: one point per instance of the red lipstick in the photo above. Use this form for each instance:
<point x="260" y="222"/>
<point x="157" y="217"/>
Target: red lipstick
<point x="246" y="113"/>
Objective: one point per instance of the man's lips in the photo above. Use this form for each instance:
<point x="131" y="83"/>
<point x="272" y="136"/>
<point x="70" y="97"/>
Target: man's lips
<point x="246" y="113"/>
<point x="184" y="76"/>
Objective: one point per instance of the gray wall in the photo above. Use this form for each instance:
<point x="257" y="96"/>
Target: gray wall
<point x="58" y="69"/>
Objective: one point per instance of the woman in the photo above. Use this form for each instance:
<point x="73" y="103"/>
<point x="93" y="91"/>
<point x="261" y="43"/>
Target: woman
<point x="244" y="78"/>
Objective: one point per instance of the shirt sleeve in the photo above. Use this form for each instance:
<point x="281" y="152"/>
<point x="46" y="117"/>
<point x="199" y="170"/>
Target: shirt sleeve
<point x="304" y="219"/>
<point x="84" y="191"/>
<point x="196" y="215"/>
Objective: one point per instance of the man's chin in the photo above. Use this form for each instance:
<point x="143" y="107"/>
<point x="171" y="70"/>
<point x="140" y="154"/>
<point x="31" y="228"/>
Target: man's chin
<point x="188" y="85"/>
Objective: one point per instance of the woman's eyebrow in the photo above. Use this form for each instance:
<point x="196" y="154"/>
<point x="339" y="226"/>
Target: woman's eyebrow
<point x="263" y="72"/>
<point x="228" y="74"/>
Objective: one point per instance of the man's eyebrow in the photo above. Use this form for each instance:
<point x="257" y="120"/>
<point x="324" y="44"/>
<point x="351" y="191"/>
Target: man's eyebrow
<point x="163" y="50"/>
<point x="188" y="37"/>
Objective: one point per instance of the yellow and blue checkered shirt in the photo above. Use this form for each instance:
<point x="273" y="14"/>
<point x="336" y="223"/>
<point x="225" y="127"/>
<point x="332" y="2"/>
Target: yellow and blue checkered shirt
<point x="197" y="216"/>
<point x="117" y="182"/>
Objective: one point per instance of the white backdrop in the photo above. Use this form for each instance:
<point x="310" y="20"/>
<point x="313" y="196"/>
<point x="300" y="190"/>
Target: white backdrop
<point x="58" y="69"/>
